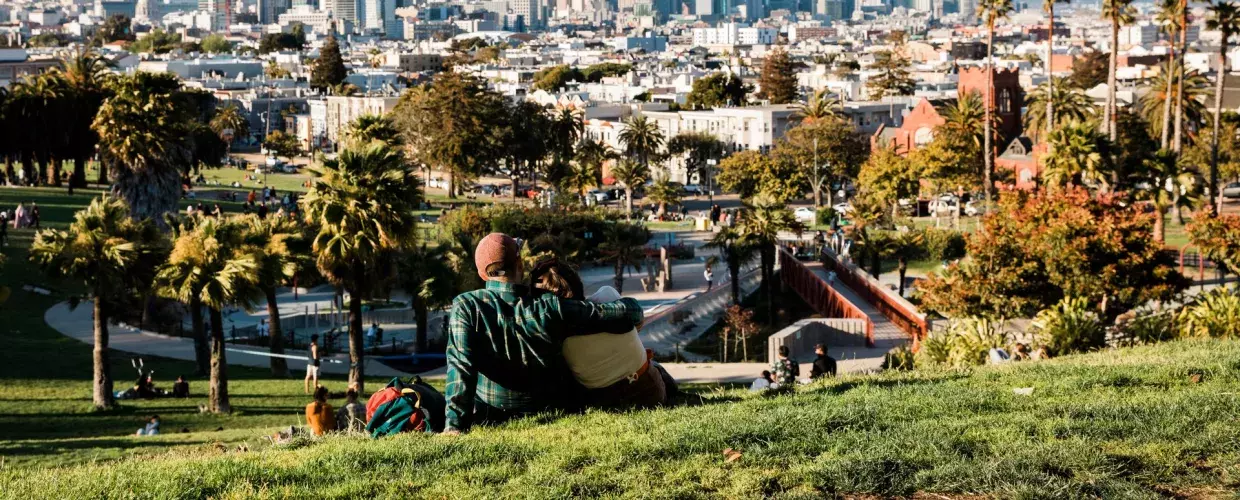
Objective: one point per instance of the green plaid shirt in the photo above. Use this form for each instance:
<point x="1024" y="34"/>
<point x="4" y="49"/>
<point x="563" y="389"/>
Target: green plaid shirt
<point x="504" y="347"/>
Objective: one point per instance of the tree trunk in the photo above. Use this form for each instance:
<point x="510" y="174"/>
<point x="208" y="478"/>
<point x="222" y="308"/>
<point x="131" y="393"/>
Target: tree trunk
<point x="103" y="398"/>
<point x="1111" y="82"/>
<point x="9" y="174"/>
<point x="202" y="350"/>
<point x="275" y="335"/>
<point x="628" y="202"/>
<point x="618" y="279"/>
<point x="79" y="171"/>
<point x="45" y="171"/>
<point x="1050" y="80"/>
<point x="989" y="101"/>
<point x="1160" y="224"/>
<point x="1171" y="91"/>
<point x="217" y="397"/>
<point x="902" y="267"/>
<point x="1178" y="138"/>
<point x="422" y="322"/>
<point x="103" y="174"/>
<point x="1212" y="188"/>
<point x="817" y="195"/>
<point x="515" y="178"/>
<point x="357" y="369"/>
<point x="451" y="191"/>
<point x="768" y="285"/>
<point x="735" y="270"/>
<point x="28" y="173"/>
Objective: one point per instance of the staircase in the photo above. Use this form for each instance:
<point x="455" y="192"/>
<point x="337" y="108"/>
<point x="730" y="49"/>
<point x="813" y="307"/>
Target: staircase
<point x="688" y="319"/>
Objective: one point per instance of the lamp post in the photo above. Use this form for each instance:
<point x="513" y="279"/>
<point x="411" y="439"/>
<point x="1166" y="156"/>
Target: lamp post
<point x="710" y="191"/>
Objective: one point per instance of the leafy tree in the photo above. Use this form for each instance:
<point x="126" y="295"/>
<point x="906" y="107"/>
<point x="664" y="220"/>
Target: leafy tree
<point x="736" y="251"/>
<point x="1119" y="13"/>
<point x="363" y="203"/>
<point x="631" y="175"/>
<point x="778" y="81"/>
<point x="1165" y="183"/>
<point x="596" y="72"/>
<point x="890" y="177"/>
<point x="624" y="246"/>
<point x="280" y="143"/>
<point x="718" y="90"/>
<point x="274" y="71"/>
<point x="215" y="43"/>
<point x="229" y="123"/>
<point x="426" y="275"/>
<point x="102" y="248"/>
<point x="1089" y="70"/>
<point x="952" y="160"/>
<point x="1044" y="247"/>
<point x="765" y="217"/>
<point x="451" y="124"/>
<point x="892" y="77"/>
<point x="329" y="70"/>
<point x="556" y="77"/>
<point x="750" y="173"/>
<point x="275" y="42"/>
<point x="828" y="150"/>
<point x="588" y="166"/>
<point x="524" y="139"/>
<point x="115" y="28"/>
<point x="45" y="40"/>
<point x="1224" y="17"/>
<point x="206" y="269"/>
<point x="1219" y="239"/>
<point x="157" y="41"/>
<point x="276" y="246"/>
<point x="698" y="148"/>
<point x="1076" y="157"/>
<point x="820" y="106"/>
<point x="663" y="193"/>
<point x="1071" y="105"/>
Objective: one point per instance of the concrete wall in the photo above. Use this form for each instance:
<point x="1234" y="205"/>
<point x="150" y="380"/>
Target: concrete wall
<point x="800" y="337"/>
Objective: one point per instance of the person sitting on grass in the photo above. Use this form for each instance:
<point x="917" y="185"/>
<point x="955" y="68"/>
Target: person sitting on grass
<point x="151" y="428"/>
<point x="824" y="366"/>
<point x="352" y="416"/>
<point x="319" y="414"/>
<point x="762" y="383"/>
<point x="617" y="370"/>
<point x="180" y="389"/>
<point x="503" y="352"/>
<point x="784" y="369"/>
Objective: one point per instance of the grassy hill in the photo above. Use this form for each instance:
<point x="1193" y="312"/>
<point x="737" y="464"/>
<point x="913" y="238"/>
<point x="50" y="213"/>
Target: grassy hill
<point x="1150" y="422"/>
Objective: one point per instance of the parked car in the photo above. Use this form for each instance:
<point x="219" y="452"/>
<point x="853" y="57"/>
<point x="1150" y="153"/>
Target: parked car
<point x="1232" y="190"/>
<point x="694" y="190"/>
<point x="599" y="195"/>
<point x="843" y="208"/>
<point x="438" y="183"/>
<point x="805" y="214"/>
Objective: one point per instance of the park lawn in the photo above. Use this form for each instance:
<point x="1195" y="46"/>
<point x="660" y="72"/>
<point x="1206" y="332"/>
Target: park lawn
<point x="1145" y="422"/>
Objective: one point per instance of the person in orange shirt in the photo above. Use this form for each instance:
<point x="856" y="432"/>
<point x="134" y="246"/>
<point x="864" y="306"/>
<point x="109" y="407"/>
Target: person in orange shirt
<point x="319" y="414"/>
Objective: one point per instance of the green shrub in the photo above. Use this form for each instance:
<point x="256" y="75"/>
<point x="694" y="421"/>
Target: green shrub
<point x="964" y="343"/>
<point x="1214" y="314"/>
<point x="824" y="216"/>
<point x="1069" y="326"/>
<point x="1149" y="325"/>
<point x="900" y="358"/>
<point x="944" y="244"/>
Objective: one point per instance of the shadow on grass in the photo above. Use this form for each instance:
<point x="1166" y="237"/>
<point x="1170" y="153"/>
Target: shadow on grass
<point x="848" y="385"/>
<point x="62" y="445"/>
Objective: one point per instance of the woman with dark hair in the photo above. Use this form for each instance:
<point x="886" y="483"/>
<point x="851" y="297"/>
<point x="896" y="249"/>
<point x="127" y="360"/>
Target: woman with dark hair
<point x="319" y="414"/>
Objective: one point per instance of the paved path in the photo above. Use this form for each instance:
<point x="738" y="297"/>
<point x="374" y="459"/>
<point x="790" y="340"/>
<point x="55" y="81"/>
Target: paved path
<point x="886" y="334"/>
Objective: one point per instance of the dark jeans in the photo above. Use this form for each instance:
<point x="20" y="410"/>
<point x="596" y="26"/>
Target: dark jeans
<point x="647" y="391"/>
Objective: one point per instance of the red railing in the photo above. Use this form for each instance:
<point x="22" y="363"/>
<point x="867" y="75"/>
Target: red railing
<point x="898" y="312"/>
<point x="815" y="291"/>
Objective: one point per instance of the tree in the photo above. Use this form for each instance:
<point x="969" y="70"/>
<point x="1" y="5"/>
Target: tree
<point x="892" y="77"/>
<point x="828" y="150"/>
<point x="369" y="128"/>
<point x="1076" y="157"/>
<point x="102" y="248"/>
<point x="215" y="43"/>
<point x="750" y="173"/>
<point x="736" y="251"/>
<point x="778" y="81"/>
<point x="116" y="27"/>
<point x="275" y="245"/>
<point x="1224" y="17"/>
<point x="1089" y="70"/>
<point x="363" y="203"/>
<point x="1188" y="97"/>
<point x="275" y="42"/>
<point x="631" y="175"/>
<point x="991" y="12"/>
<point x="588" y="166"/>
<point x="1219" y="240"/>
<point x="279" y="143"/>
<point x="739" y="324"/>
<point x="821" y="106"/>
<point x="524" y="139"/>
<point x="642" y="140"/>
<point x="157" y="41"/>
<point x="663" y="193"/>
<point x="145" y="141"/>
<point x="1070" y="105"/>
<point x="890" y="177"/>
<point x="903" y="246"/>
<point x="698" y="148"/>
<point x="207" y="269"/>
<point x="1168" y="17"/>
<point x="624" y="246"/>
<point x="765" y="217"/>
<point x="1165" y="183"/>
<point x="1120" y="13"/>
<point x="425" y="274"/>
<point x="951" y="161"/>
<point x="451" y="124"/>
<point x="556" y="77"/>
<point x="274" y="71"/>
<point x="565" y="131"/>
<point x="86" y="75"/>
<point x="329" y="70"/>
<point x="717" y="90"/>
<point x="230" y="124"/>
<point x="595" y="73"/>
<point x="1177" y="136"/>
<point x="1048" y="246"/>
<point x="1051" y="82"/>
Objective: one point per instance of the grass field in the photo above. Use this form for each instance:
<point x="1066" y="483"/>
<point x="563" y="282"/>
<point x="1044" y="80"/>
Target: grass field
<point x="1145" y="422"/>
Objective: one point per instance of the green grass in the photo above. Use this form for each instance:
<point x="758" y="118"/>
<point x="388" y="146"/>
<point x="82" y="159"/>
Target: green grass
<point x="1130" y="423"/>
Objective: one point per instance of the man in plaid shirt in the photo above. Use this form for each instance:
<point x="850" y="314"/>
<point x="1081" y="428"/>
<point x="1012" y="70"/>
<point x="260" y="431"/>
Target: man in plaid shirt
<point x="504" y="355"/>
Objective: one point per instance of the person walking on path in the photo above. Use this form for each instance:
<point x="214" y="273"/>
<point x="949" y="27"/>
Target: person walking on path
<point x="709" y="275"/>
<point x="312" y="368"/>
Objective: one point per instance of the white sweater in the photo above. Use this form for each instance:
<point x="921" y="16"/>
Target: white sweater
<point x="601" y="359"/>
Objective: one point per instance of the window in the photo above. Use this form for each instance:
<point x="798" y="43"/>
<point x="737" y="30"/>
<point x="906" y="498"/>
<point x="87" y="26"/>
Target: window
<point x="923" y="136"/>
<point x="1005" y="101"/>
<point x="1026" y="175"/>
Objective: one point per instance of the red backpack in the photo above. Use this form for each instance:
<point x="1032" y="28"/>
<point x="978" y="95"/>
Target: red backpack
<point x="398" y="407"/>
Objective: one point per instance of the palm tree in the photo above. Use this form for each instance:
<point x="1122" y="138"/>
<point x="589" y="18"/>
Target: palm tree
<point x="369" y="128"/>
<point x="642" y="139"/>
<point x="1120" y="13"/>
<point x="624" y="246"/>
<point x="991" y="12"/>
<point x="229" y="124"/>
<point x="101" y="248"/>
<point x="1189" y="93"/>
<point x="1070" y="104"/>
<point x="630" y="174"/>
<point x="1075" y="156"/>
<point x="363" y="202"/>
<point x="763" y="220"/>
<point x="87" y="76"/>
<point x="903" y="246"/>
<point x="1169" y="17"/>
<point x="1224" y="17"/>
<point x="275" y="245"/>
<point x="663" y="193"/>
<point x="426" y="274"/>
<point x="588" y="165"/>
<point x="565" y="132"/>
<point x="1168" y="184"/>
<point x="821" y="105"/>
<point x="43" y="101"/>
<point x="967" y="115"/>
<point x="208" y="269"/>
<point x="184" y="285"/>
<point x="142" y="142"/>
<point x="1049" y="6"/>
<point x="736" y="251"/>
<point x="1177" y="138"/>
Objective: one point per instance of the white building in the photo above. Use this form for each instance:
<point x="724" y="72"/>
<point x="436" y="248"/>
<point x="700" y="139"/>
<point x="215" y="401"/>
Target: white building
<point x="342" y="110"/>
<point x="1143" y="33"/>
<point x="734" y="34"/>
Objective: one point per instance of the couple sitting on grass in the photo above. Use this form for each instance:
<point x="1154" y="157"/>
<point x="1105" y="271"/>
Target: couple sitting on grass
<point x="515" y="349"/>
